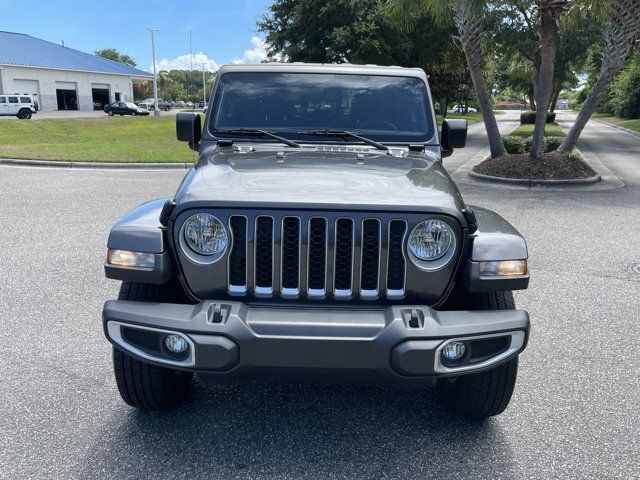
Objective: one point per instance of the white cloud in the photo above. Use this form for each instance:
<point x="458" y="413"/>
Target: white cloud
<point x="256" y="54"/>
<point x="183" y="62"/>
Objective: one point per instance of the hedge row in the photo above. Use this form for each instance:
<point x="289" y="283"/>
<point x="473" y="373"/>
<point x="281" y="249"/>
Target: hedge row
<point x="514" y="144"/>
<point x="529" y="118"/>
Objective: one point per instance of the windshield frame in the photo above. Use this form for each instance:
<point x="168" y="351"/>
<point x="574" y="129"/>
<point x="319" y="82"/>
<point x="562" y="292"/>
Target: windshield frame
<point x="431" y="136"/>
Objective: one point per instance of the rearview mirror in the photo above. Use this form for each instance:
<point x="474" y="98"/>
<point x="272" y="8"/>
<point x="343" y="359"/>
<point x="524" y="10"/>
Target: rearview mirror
<point x="454" y="135"/>
<point x="189" y="128"/>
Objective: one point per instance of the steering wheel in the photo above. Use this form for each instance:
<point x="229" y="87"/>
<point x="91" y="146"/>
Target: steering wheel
<point x="379" y="122"/>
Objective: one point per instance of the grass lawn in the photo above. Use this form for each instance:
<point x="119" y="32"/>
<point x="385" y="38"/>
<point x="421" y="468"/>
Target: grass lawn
<point x="471" y="117"/>
<point x="108" y="139"/>
<point x="526" y="131"/>
<point x="630" y="124"/>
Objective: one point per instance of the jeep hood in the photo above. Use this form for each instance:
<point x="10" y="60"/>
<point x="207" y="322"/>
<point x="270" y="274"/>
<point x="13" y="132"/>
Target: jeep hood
<point x="319" y="180"/>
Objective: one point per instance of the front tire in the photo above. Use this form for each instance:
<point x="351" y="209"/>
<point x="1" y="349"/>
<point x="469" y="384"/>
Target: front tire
<point x="480" y="395"/>
<point x="24" y="114"/>
<point x="149" y="387"/>
<point x="144" y="385"/>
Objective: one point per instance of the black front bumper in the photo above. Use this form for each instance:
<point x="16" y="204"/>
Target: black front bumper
<point x="397" y="345"/>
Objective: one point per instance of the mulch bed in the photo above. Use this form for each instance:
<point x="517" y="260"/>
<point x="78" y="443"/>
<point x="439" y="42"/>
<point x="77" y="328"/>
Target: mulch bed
<point x="552" y="166"/>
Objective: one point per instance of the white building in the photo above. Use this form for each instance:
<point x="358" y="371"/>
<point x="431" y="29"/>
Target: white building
<point x="61" y="78"/>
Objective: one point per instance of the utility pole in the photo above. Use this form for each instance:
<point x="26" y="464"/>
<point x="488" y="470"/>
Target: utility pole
<point x="155" y="75"/>
<point x="204" y="87"/>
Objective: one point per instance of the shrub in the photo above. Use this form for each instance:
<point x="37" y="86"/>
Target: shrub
<point x="552" y="143"/>
<point x="514" y="144"/>
<point x="529" y="118"/>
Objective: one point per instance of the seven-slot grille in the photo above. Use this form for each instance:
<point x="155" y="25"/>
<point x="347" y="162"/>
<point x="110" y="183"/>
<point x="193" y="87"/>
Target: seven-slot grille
<point x="316" y="256"/>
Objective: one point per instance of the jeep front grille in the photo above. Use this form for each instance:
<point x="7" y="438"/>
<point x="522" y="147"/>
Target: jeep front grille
<point x="317" y="256"/>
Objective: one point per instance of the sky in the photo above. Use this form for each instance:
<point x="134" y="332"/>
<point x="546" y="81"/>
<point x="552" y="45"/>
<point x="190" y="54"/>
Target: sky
<point x="222" y="31"/>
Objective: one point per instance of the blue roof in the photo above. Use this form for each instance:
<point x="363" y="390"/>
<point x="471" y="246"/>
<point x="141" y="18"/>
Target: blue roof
<point x="23" y="50"/>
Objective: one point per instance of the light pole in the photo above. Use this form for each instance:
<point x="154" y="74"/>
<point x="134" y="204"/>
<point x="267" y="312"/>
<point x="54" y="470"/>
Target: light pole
<point x="155" y="76"/>
<point x="204" y="87"/>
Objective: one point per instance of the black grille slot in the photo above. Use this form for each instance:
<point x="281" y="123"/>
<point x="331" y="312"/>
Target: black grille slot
<point x="145" y="340"/>
<point x="487" y="347"/>
<point x="344" y="254"/>
<point x="291" y="253"/>
<point x="396" y="267"/>
<point x="370" y="254"/>
<point x="264" y="252"/>
<point x="238" y="255"/>
<point x="317" y="253"/>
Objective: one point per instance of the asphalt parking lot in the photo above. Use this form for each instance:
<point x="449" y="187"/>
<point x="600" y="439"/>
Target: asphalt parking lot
<point x="575" y="412"/>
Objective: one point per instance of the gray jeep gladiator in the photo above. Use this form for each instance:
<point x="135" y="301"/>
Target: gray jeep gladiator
<point x="318" y="237"/>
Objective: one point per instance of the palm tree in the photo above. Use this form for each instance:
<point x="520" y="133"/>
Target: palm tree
<point x="622" y="28"/>
<point x="467" y="16"/>
<point x="548" y="13"/>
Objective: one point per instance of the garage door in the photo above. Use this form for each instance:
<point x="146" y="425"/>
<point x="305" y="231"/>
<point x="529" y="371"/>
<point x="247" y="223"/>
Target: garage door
<point x="28" y="87"/>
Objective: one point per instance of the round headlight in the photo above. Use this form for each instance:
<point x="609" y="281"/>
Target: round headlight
<point x="205" y="234"/>
<point x="430" y="240"/>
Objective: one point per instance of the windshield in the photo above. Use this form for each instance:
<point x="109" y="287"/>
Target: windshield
<point x="131" y="105"/>
<point x="382" y="108"/>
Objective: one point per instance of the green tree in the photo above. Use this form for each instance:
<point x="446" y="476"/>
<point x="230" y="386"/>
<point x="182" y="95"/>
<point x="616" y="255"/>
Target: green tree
<point x="361" y="31"/>
<point x="468" y="17"/>
<point x="548" y="14"/>
<point x="116" y="56"/>
<point x="516" y="46"/>
<point x="622" y="27"/>
<point x="625" y="90"/>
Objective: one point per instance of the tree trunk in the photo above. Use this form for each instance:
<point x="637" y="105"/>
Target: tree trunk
<point x="470" y="28"/>
<point x="544" y="87"/>
<point x="557" y="88"/>
<point x="444" y="107"/>
<point x="623" y="26"/>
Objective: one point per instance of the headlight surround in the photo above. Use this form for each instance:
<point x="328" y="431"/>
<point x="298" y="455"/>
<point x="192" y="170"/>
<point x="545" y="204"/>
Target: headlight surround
<point x="431" y="244"/>
<point x="205" y="236"/>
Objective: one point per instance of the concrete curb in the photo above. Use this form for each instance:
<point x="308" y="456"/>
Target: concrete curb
<point x="93" y="165"/>
<point x="536" y="183"/>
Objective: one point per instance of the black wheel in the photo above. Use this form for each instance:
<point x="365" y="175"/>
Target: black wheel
<point x="111" y="113"/>
<point x="140" y="384"/>
<point x="24" y="114"/>
<point x="133" y="114"/>
<point x="481" y="395"/>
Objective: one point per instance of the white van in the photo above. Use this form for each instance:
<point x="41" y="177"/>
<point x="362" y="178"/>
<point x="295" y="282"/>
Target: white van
<point x="21" y="106"/>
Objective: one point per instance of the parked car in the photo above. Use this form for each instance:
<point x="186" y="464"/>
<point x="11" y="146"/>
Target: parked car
<point x="461" y="109"/>
<point x="318" y="238"/>
<point x="149" y="103"/>
<point x="124" y="108"/>
<point x="21" y="106"/>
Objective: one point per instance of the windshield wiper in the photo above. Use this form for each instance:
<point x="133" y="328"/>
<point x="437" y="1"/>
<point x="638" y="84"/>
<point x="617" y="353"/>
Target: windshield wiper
<point x="258" y="132"/>
<point x="345" y="133"/>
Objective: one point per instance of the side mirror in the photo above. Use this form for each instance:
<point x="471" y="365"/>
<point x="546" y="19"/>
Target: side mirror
<point x="189" y="128"/>
<point x="454" y="135"/>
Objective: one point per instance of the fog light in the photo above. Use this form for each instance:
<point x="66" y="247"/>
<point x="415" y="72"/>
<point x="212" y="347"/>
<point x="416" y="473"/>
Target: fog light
<point x="454" y="350"/>
<point x="176" y="343"/>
